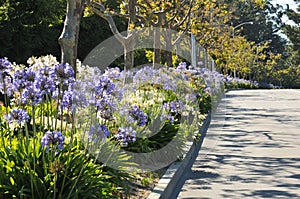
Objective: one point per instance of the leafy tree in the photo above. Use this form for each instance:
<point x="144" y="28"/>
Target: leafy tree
<point x="169" y="15"/>
<point x="267" y="23"/>
<point x="211" y="29"/>
<point x="293" y="31"/>
<point x="161" y="14"/>
<point x="210" y="23"/>
<point x="30" y="28"/>
<point x="289" y="76"/>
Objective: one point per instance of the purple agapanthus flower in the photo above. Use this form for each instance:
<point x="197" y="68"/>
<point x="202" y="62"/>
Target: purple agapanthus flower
<point x="182" y="66"/>
<point x="23" y="78"/>
<point x="168" y="117"/>
<point x="63" y="75"/>
<point x="113" y="73"/>
<point x="18" y="116"/>
<point x="144" y="75"/>
<point x="164" y="79"/>
<point x="52" y="140"/>
<point x="6" y="86"/>
<point x="126" y="135"/>
<point x="29" y="77"/>
<point x="18" y="80"/>
<point x="173" y="109"/>
<point x="98" y="132"/>
<point x="67" y="100"/>
<point x="44" y="81"/>
<point x="31" y="96"/>
<point x="105" y="107"/>
<point x="174" y="106"/>
<point x="82" y="94"/>
<point x="105" y="87"/>
<point x="138" y="115"/>
<point x="5" y="65"/>
<point x="63" y="71"/>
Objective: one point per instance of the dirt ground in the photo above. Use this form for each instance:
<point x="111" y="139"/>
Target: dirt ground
<point x="145" y="183"/>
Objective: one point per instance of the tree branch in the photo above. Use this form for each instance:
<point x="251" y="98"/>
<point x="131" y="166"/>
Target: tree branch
<point x="99" y="9"/>
<point x="188" y="15"/>
<point x="176" y="11"/>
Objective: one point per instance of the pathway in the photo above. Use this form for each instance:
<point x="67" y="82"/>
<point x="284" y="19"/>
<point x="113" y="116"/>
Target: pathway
<point x="251" y="150"/>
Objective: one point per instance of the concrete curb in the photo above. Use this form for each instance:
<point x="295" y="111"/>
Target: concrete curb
<point x="166" y="185"/>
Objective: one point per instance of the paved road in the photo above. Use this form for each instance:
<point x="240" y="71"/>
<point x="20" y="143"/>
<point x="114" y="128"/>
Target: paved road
<point x="251" y="150"/>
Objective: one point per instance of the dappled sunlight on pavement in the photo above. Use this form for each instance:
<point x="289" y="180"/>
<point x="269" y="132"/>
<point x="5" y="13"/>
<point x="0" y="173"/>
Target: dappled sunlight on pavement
<point x="250" y="151"/>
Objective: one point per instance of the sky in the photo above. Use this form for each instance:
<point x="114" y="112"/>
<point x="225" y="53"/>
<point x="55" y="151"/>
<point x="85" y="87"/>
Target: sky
<point x="291" y="3"/>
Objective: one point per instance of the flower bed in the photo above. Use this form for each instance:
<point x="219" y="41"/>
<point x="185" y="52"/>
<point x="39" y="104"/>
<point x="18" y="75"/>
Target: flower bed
<point x="63" y="137"/>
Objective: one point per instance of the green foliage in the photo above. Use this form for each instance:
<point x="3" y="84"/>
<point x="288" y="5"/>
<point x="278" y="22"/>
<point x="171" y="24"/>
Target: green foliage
<point x="30" y="28"/>
<point x="36" y="166"/>
<point x="70" y="174"/>
<point x="292" y="31"/>
<point x="267" y="22"/>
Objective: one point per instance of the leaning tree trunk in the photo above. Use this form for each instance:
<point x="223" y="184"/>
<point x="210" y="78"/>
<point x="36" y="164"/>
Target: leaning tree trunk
<point x="130" y="44"/>
<point x="169" y="48"/>
<point x="156" y="50"/>
<point x="128" y="53"/>
<point x="68" y="39"/>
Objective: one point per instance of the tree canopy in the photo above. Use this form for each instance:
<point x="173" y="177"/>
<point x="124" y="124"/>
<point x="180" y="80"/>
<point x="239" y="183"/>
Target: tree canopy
<point x="255" y="50"/>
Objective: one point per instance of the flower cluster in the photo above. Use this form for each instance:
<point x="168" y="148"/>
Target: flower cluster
<point x="212" y="82"/>
<point x="67" y="100"/>
<point x="63" y="73"/>
<point x="126" y="135"/>
<point x="6" y="86"/>
<point x="39" y="62"/>
<point x="98" y="132"/>
<point x="53" y="140"/>
<point x="173" y="108"/>
<point x="105" y="87"/>
<point x="17" y="117"/>
<point x="5" y="65"/>
<point x="104" y="101"/>
<point x="113" y="73"/>
<point x="105" y="108"/>
<point x="85" y="86"/>
<point x="182" y="66"/>
<point x="102" y="91"/>
<point x="158" y="77"/>
<point x="137" y="115"/>
<point x="31" y="95"/>
<point x="144" y="75"/>
<point x="31" y="84"/>
<point x="232" y="82"/>
<point x="44" y="82"/>
<point x="5" y="80"/>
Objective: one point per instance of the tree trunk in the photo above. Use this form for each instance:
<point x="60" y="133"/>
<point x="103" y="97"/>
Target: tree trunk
<point x="169" y="50"/>
<point x="128" y="46"/>
<point x="68" y="39"/>
<point x="127" y="42"/>
<point x="156" y="50"/>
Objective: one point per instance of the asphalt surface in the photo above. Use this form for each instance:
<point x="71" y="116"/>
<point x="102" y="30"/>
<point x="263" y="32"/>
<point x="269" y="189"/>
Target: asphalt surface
<point x="251" y="149"/>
